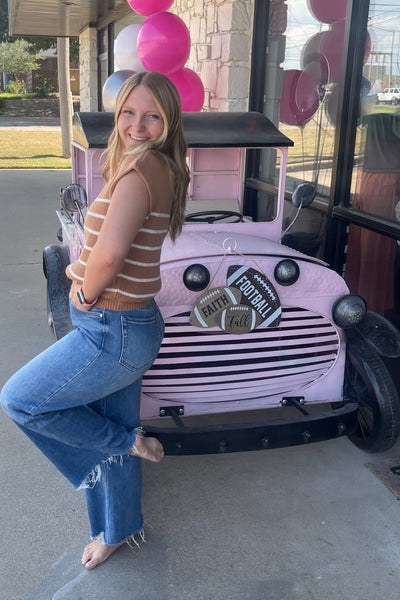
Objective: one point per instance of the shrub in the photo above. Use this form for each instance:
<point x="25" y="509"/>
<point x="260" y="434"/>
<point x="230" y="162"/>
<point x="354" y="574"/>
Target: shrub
<point x="17" y="87"/>
<point x="43" y="86"/>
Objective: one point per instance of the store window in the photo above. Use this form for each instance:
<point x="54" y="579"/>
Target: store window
<point x="373" y="259"/>
<point x="104" y="58"/>
<point x="306" y="40"/>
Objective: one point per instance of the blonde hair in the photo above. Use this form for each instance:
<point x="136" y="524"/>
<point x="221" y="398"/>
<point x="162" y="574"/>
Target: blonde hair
<point x="171" y="146"/>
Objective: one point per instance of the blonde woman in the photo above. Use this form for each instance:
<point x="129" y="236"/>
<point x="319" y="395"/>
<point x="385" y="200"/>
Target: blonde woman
<point x="79" y="401"/>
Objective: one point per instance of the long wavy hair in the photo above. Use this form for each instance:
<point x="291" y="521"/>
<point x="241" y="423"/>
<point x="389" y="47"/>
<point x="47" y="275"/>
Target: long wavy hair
<point x="171" y="146"/>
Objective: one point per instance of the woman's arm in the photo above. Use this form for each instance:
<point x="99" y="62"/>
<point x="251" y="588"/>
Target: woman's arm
<point x="126" y="214"/>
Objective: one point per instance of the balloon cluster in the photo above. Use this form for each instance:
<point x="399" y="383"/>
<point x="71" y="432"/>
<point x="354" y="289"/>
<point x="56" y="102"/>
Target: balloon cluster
<point x="161" y="43"/>
<point x="321" y="61"/>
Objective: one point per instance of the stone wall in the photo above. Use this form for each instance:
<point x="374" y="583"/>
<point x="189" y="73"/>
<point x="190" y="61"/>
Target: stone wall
<point x="220" y="33"/>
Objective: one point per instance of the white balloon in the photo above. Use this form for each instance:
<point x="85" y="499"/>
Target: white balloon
<point x="112" y="86"/>
<point x="125" y="48"/>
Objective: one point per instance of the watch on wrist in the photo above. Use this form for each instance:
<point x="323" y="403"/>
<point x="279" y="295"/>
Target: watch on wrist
<point x="82" y="298"/>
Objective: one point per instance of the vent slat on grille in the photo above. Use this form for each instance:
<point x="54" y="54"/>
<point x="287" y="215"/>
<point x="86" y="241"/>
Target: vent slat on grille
<point x="200" y="365"/>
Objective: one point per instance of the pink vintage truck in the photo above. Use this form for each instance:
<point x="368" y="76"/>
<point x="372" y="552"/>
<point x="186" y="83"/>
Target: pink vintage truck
<point x="264" y="346"/>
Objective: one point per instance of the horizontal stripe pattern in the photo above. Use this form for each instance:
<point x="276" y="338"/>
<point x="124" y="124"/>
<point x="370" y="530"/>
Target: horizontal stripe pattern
<point x="139" y="279"/>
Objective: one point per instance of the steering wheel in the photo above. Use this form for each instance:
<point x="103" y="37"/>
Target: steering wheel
<point x="211" y="216"/>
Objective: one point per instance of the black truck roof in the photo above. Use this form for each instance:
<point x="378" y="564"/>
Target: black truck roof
<point x="202" y="130"/>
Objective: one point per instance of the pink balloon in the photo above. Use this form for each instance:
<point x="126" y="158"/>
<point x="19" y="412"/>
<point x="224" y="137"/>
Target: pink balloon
<point x="163" y="43"/>
<point x="148" y="7"/>
<point x="300" y="98"/>
<point x="328" y="11"/>
<point x="190" y="88"/>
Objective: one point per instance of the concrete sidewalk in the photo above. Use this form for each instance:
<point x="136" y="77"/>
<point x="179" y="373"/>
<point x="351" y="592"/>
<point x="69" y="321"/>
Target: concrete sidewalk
<point x="303" y="523"/>
<point x="30" y="123"/>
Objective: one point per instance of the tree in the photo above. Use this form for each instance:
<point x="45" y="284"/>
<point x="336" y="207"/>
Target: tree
<point x="4" y="37"/>
<point x="16" y="58"/>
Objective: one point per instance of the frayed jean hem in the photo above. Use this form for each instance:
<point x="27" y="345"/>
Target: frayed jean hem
<point x="131" y="540"/>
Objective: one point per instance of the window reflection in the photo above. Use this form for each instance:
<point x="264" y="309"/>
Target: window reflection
<point x="372" y="263"/>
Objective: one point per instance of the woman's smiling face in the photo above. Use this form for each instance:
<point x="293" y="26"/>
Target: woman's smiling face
<point x="140" y="119"/>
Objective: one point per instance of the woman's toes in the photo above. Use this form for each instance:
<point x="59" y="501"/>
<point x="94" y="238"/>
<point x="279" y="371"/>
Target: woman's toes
<point x="147" y="447"/>
<point x="96" y="553"/>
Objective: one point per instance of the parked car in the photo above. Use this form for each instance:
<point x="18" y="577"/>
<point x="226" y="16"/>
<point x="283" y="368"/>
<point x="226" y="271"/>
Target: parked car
<point x="391" y="95"/>
<point x="261" y="339"/>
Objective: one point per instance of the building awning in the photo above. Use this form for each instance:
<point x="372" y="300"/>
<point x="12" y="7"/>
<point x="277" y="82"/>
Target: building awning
<point x="62" y="18"/>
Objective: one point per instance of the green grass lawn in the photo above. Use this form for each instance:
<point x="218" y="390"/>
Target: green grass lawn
<point x="31" y="149"/>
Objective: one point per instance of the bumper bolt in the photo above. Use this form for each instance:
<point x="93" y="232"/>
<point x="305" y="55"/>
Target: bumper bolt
<point x="306" y="436"/>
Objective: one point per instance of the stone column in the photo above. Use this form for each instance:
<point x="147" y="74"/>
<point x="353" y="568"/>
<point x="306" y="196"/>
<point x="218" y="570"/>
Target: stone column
<point x="88" y="69"/>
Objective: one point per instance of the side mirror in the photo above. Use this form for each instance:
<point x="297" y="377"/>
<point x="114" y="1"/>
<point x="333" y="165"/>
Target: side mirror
<point x="302" y="197"/>
<point x="73" y="199"/>
<point x="303" y="194"/>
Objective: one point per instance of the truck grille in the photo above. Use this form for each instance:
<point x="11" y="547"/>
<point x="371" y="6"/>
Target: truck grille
<point x="202" y="365"/>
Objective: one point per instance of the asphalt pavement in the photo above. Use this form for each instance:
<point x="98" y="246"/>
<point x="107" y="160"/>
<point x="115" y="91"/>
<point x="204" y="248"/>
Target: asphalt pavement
<point x="304" y="523"/>
<point x="32" y="123"/>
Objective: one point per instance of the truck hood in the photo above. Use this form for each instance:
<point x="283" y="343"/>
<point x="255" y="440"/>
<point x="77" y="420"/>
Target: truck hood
<point x="196" y="244"/>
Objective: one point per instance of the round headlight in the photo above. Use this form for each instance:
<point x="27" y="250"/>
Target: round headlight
<point x="287" y="272"/>
<point x="349" y="311"/>
<point x="196" y="278"/>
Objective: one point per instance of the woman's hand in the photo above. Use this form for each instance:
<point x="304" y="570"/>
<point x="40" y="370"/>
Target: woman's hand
<point x="75" y="301"/>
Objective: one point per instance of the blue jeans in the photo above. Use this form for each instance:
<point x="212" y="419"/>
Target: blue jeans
<point x="79" y="402"/>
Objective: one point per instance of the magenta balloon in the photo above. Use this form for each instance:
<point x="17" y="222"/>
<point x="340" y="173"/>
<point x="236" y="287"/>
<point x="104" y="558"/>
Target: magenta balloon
<point x="328" y="11"/>
<point x="300" y="98"/>
<point x="163" y="43"/>
<point x="190" y="88"/>
<point x="148" y="7"/>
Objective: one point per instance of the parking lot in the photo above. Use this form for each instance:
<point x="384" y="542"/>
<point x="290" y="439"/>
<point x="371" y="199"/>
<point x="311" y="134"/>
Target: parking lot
<point x="302" y="523"/>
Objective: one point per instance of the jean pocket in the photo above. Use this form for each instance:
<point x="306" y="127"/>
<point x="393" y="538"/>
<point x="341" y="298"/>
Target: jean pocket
<point x="140" y="342"/>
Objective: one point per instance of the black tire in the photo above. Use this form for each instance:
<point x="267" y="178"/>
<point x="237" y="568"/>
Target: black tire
<point x="55" y="261"/>
<point x="368" y="382"/>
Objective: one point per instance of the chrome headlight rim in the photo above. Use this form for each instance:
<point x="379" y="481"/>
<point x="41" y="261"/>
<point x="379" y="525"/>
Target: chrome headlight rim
<point x="286" y="272"/>
<point x="349" y="311"/>
<point x="196" y="277"/>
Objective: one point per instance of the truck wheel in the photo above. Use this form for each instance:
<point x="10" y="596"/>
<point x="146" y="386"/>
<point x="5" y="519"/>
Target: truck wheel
<point x="368" y="382"/>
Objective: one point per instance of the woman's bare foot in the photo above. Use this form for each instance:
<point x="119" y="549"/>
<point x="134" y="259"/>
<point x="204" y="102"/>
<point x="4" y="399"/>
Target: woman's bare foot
<point x="147" y="447"/>
<point x="96" y="553"/>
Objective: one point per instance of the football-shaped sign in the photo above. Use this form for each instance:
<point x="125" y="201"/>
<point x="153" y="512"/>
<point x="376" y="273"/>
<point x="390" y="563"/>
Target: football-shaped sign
<point x="239" y="319"/>
<point x="257" y="292"/>
<point x="210" y="306"/>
